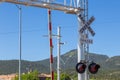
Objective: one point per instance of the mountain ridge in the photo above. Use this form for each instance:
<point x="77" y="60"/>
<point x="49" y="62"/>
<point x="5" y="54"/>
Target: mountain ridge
<point x="68" y="61"/>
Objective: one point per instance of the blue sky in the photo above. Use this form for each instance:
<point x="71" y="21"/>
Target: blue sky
<point x="35" y="23"/>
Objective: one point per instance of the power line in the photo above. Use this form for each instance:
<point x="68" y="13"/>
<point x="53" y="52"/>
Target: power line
<point x="15" y="32"/>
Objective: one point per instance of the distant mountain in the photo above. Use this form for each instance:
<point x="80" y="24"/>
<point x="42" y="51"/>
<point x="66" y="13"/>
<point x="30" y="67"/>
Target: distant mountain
<point x="12" y="66"/>
<point x="68" y="61"/>
<point x="113" y="63"/>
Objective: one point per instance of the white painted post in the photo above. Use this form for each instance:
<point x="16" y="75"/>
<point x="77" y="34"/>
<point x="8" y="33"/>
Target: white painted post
<point x="58" y="54"/>
<point x="80" y="45"/>
<point x="81" y="55"/>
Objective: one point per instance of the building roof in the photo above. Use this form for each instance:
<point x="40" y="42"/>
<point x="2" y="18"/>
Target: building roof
<point x="44" y="75"/>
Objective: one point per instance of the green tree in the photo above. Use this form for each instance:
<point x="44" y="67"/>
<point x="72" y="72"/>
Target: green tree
<point x="29" y="76"/>
<point x="65" y="77"/>
<point x="62" y="77"/>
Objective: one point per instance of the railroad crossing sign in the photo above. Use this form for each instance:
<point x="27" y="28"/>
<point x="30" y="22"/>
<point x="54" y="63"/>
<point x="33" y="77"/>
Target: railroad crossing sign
<point x="84" y="39"/>
<point x="89" y="41"/>
<point x="87" y="26"/>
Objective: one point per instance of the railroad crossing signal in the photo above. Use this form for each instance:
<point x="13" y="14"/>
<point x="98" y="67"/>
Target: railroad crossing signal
<point x="87" y="26"/>
<point x="84" y="39"/>
<point x="89" y="41"/>
<point x="93" y="68"/>
<point x="80" y="67"/>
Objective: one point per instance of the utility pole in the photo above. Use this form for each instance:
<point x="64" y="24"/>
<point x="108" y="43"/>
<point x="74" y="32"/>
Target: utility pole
<point x="58" y="54"/>
<point x="20" y="39"/>
<point x="59" y="43"/>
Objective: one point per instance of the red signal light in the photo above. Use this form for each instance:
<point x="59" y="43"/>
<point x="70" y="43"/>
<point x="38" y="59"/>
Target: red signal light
<point x="80" y="67"/>
<point x="93" y="68"/>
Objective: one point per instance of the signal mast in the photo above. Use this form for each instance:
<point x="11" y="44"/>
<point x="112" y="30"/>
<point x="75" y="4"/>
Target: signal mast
<point x="84" y="64"/>
<point x="83" y="47"/>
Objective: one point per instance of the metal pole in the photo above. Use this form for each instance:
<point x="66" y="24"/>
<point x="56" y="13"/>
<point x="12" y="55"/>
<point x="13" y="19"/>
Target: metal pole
<point x="20" y="36"/>
<point x="86" y="44"/>
<point x="81" y="46"/>
<point x="88" y="37"/>
<point x="80" y="58"/>
<point x="58" y="53"/>
<point x="51" y="45"/>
